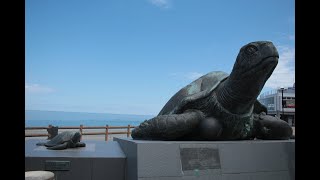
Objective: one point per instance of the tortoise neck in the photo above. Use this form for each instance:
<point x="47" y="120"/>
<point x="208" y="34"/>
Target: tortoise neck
<point x="237" y="96"/>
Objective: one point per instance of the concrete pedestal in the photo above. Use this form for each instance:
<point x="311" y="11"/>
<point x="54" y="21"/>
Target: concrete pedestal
<point x="204" y="160"/>
<point x="99" y="160"/>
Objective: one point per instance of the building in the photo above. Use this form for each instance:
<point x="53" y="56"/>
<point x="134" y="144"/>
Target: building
<point x="280" y="102"/>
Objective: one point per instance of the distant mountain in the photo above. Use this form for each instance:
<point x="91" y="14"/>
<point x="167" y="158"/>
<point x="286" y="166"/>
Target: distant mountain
<point x="60" y="115"/>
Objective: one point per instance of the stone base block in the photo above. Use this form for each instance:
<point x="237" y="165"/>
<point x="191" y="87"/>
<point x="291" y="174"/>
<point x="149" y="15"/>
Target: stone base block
<point x="99" y="160"/>
<point x="204" y="160"/>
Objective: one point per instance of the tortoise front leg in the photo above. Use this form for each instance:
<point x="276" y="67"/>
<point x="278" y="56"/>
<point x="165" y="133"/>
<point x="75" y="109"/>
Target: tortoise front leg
<point x="210" y="129"/>
<point x="59" y="147"/>
<point x="80" y="144"/>
<point x="168" y="127"/>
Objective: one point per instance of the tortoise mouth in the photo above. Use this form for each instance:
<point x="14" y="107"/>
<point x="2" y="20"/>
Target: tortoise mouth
<point x="267" y="64"/>
<point x="270" y="60"/>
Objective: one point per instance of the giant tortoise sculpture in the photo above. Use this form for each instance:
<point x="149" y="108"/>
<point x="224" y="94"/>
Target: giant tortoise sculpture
<point x="219" y="106"/>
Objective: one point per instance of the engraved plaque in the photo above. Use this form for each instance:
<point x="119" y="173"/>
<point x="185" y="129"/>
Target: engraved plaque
<point x="57" y="165"/>
<point x="199" y="158"/>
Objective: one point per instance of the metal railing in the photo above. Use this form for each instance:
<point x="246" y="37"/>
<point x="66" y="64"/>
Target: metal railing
<point x="106" y="131"/>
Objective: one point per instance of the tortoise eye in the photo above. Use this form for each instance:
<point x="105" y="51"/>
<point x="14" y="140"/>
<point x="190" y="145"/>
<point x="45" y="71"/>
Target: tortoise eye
<point x="251" y="49"/>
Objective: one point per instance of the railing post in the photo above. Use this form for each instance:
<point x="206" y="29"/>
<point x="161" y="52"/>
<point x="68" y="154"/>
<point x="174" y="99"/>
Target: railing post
<point x="128" y="131"/>
<point x="107" y="132"/>
<point x="50" y="126"/>
<point x="81" y="127"/>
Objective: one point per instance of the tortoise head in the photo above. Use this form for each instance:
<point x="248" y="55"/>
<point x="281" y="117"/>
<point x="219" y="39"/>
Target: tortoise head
<point x="254" y="65"/>
<point x="76" y="137"/>
<point x="257" y="59"/>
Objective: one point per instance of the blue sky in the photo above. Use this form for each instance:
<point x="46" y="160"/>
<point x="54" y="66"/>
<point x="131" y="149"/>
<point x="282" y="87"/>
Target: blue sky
<point x="131" y="56"/>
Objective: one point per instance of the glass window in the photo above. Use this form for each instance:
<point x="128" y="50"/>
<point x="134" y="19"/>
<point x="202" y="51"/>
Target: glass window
<point x="269" y="103"/>
<point x="290" y="103"/>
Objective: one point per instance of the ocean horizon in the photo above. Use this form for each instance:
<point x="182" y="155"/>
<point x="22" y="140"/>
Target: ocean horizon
<point x="60" y="118"/>
<point x="35" y="123"/>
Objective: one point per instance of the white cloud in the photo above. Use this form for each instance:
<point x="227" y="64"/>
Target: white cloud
<point x="284" y="74"/>
<point x="187" y="76"/>
<point x="193" y="75"/>
<point x="285" y="36"/>
<point x="160" y="3"/>
<point x="36" y="88"/>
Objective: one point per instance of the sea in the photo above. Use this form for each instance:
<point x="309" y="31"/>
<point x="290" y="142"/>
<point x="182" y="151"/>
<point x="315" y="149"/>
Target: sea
<point x="35" y="123"/>
<point x="34" y="118"/>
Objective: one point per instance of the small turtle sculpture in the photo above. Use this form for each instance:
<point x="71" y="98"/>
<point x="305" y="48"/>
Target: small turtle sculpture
<point x="219" y="106"/>
<point x="64" y="140"/>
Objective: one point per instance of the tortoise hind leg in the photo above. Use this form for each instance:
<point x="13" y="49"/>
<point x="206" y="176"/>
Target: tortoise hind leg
<point x="168" y="127"/>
